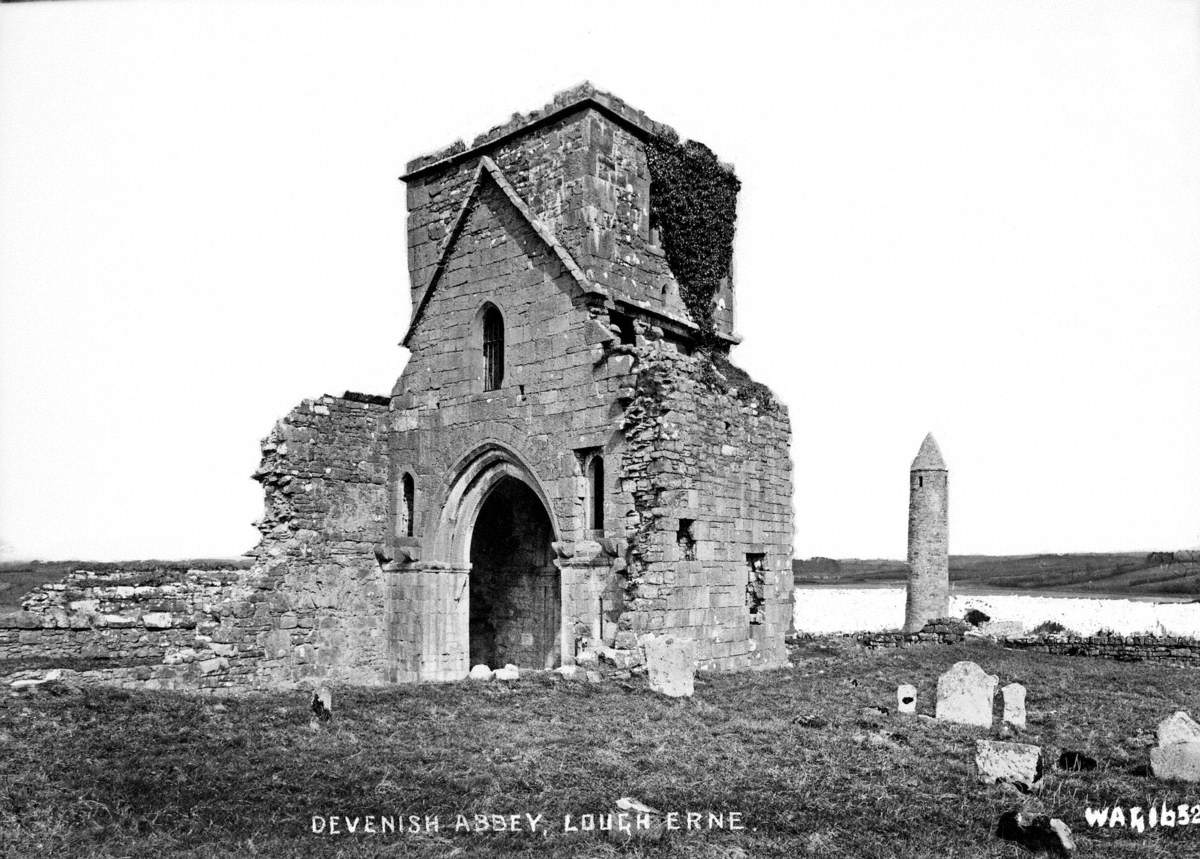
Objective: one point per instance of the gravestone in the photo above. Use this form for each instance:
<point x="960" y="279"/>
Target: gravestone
<point x="1011" y="762"/>
<point x="1177" y="756"/>
<point x="1014" y="705"/>
<point x="964" y="695"/>
<point x="671" y="665"/>
<point x="480" y="672"/>
<point x="906" y="698"/>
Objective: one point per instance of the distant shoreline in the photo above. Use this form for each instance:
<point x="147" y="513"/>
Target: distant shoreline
<point x="984" y="589"/>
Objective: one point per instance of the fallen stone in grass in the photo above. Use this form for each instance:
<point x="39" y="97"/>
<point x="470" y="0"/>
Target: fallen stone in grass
<point x="26" y="685"/>
<point x="508" y="673"/>
<point x="569" y="672"/>
<point x="480" y="672"/>
<point x="1036" y="833"/>
<point x="1014" y="705"/>
<point x="810" y="721"/>
<point x="906" y="698"/>
<point x="1012" y="762"/>
<point x="965" y="694"/>
<point x="1074" y="761"/>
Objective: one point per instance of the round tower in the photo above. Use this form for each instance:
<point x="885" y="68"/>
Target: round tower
<point x="928" y="538"/>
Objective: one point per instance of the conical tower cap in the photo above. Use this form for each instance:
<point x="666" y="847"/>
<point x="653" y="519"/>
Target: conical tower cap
<point x="929" y="457"/>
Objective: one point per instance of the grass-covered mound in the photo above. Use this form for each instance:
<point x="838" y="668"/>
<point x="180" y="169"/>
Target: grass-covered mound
<point x="101" y="772"/>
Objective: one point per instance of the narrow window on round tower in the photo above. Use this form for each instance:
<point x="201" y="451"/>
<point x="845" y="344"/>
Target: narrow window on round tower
<point x="493" y="349"/>
<point x="408" y="492"/>
<point x="920" y="482"/>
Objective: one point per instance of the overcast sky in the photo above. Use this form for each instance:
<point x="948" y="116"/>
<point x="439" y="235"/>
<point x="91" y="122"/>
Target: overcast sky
<point x="975" y="217"/>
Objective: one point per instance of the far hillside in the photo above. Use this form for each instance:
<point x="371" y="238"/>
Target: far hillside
<point x="1132" y="573"/>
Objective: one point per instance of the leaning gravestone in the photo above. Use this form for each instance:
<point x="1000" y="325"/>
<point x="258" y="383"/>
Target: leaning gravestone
<point x="1014" y="705"/>
<point x="1177" y="756"/>
<point x="671" y="665"/>
<point x="965" y="694"/>
<point x="906" y="698"/>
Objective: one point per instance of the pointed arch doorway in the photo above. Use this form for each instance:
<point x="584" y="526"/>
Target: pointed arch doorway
<point x="515" y="601"/>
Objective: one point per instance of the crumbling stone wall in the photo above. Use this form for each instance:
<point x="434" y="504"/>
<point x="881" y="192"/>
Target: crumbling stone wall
<point x="325" y="474"/>
<point x="310" y="608"/>
<point x="710" y="545"/>
<point x="130" y="617"/>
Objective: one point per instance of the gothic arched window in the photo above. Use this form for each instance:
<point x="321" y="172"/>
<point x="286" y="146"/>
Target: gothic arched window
<point x="493" y="349"/>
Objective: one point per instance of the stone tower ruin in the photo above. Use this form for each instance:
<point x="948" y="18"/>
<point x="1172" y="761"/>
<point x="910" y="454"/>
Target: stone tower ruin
<point x="928" y="538"/>
<point x="568" y="461"/>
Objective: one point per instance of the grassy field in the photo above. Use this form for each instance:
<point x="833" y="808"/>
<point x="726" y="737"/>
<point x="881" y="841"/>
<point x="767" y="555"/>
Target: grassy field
<point x="1131" y="573"/>
<point x="114" y="773"/>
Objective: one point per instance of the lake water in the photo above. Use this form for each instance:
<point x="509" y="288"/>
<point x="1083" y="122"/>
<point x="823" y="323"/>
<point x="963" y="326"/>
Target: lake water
<point x="829" y="608"/>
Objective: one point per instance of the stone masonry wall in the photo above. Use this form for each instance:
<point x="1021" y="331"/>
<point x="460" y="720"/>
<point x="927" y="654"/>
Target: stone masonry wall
<point x="585" y="177"/>
<point x="310" y="607"/>
<point x="710" y="545"/>
<point x="325" y="473"/>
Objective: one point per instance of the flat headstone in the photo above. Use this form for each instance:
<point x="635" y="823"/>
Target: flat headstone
<point x="906" y="698"/>
<point x="508" y="672"/>
<point x="671" y="665"/>
<point x="480" y="672"/>
<point x="1014" y="705"/>
<point x="964" y="695"/>
<point x="1011" y="762"/>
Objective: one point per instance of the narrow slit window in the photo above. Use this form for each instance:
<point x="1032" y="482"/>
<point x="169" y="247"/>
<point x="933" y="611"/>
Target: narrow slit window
<point x="756" y="575"/>
<point x="596" y="493"/>
<point x="493" y="349"/>
<point x="408" y="491"/>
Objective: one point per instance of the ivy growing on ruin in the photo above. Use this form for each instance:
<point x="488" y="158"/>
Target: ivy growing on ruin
<point x="693" y="205"/>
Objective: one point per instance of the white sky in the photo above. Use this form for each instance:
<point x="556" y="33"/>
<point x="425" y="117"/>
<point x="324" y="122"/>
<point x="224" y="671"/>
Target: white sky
<point x="974" y="217"/>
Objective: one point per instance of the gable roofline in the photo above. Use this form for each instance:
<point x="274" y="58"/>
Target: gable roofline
<point x="487" y="168"/>
<point x="570" y="101"/>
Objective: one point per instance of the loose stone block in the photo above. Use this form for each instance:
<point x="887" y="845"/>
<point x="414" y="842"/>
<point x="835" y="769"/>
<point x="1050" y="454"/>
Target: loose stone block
<point x="509" y="672"/>
<point x="671" y="664"/>
<point x="906" y="698"/>
<point x="965" y="694"/>
<point x="1013" y="762"/>
<point x="480" y="672"/>
<point x="1014" y="705"/>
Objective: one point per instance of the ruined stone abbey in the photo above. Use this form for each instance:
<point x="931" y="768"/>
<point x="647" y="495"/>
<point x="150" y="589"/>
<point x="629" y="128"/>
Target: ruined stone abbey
<point x="568" y="461"/>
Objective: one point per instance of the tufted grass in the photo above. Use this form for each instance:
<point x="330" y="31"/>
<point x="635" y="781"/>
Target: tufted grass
<point x="105" y="772"/>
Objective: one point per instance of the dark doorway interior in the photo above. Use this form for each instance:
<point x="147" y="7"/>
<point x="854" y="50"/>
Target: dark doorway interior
<point x="514" y="598"/>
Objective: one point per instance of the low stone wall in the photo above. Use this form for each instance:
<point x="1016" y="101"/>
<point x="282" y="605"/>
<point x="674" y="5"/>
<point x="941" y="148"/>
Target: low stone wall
<point x="1124" y="648"/>
<point x="177" y="626"/>
<point x="944" y="631"/>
